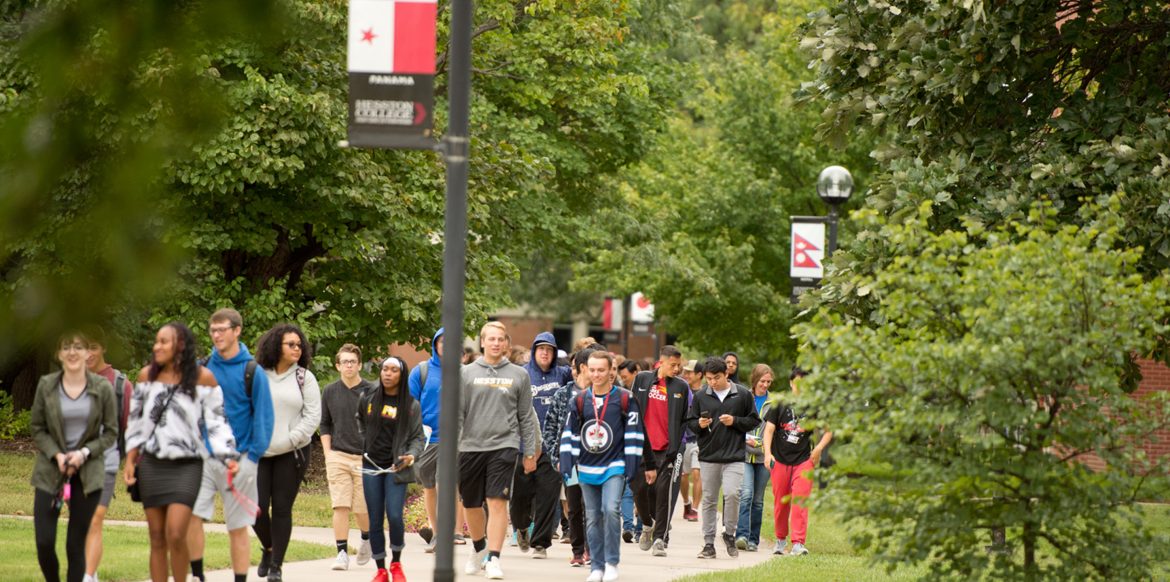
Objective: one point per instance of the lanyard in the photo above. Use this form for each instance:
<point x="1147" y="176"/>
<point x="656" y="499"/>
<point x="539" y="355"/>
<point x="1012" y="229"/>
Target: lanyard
<point x="593" y="398"/>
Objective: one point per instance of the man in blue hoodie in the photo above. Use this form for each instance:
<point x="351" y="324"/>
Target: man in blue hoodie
<point x="426" y="382"/>
<point x="249" y="412"/>
<point x="536" y="495"/>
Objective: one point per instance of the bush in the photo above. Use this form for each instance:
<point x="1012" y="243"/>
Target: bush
<point x="13" y="422"/>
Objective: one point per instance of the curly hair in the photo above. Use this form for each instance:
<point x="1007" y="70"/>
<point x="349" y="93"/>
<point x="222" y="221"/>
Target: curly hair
<point x="185" y="360"/>
<point x="268" y="350"/>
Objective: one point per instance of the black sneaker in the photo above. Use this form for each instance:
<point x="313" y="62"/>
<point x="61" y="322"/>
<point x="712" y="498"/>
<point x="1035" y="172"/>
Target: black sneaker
<point x="265" y="562"/>
<point x="628" y="536"/>
<point x="729" y="541"/>
<point x="708" y="552"/>
<point x="426" y="534"/>
<point x="274" y="574"/>
<point x="522" y="540"/>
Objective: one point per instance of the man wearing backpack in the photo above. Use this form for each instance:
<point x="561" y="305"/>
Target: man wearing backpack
<point x="248" y="407"/>
<point x="113" y="455"/>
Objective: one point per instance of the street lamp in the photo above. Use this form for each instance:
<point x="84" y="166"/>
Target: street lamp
<point x="834" y="186"/>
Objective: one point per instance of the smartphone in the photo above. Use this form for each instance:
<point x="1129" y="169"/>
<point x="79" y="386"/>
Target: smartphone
<point x="705" y="414"/>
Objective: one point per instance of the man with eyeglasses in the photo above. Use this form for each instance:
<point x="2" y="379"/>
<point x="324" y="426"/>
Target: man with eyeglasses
<point x="342" y="443"/>
<point x="248" y="407"/>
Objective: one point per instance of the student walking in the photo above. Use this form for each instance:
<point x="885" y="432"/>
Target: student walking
<point x="165" y="446"/>
<point x="342" y="443"/>
<point x="284" y="354"/>
<point x="393" y="437"/>
<point x="554" y="425"/>
<point x="73" y="422"/>
<point x="603" y="440"/>
<point x="755" y="472"/>
<point x="791" y="457"/>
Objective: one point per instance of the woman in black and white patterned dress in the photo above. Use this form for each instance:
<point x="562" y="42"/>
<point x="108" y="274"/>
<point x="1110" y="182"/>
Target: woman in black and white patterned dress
<point x="164" y="442"/>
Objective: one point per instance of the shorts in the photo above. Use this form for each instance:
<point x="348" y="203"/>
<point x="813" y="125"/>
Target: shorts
<point x="108" y="487"/>
<point x="486" y="475"/>
<point x="427" y="466"/>
<point x="690" y="459"/>
<point x="235" y="516"/>
<point x="344" y="473"/>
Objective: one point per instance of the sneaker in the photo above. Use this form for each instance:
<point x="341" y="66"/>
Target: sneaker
<point x="430" y="549"/>
<point x="741" y="543"/>
<point x="798" y="550"/>
<point x="523" y="541"/>
<point x="493" y="570"/>
<point x="342" y="561"/>
<point x="565" y="539"/>
<point x="658" y="549"/>
<point x="460" y="539"/>
<point x="382" y="576"/>
<point x="265" y="562"/>
<point x="396" y="573"/>
<point x="426" y="533"/>
<point x="512" y="539"/>
<point x="475" y="562"/>
<point x="364" y="553"/>
<point x="731" y="544"/>
<point x="691" y="514"/>
<point x="646" y="540"/>
<point x="611" y="573"/>
<point x="539" y="553"/>
<point x="753" y="547"/>
<point x="274" y="574"/>
<point x="595" y="576"/>
<point x="588" y="559"/>
<point x="628" y="536"/>
<point x="577" y="561"/>
<point x="708" y="552"/>
<point x="779" y="549"/>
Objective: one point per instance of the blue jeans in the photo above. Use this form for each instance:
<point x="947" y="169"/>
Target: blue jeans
<point x="630" y="522"/>
<point x="603" y="521"/>
<point x="751" y="502"/>
<point x="385" y="498"/>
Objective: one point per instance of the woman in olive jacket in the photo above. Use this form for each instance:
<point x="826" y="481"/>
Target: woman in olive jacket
<point x="74" y="420"/>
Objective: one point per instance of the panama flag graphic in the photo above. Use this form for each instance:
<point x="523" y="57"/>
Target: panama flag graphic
<point x="392" y="36"/>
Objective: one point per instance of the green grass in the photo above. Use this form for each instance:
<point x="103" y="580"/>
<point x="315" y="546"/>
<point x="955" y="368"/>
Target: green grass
<point x="127" y="552"/>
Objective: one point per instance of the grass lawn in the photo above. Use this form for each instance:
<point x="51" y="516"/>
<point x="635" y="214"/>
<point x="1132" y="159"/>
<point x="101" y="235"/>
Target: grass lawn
<point x="127" y="552"/>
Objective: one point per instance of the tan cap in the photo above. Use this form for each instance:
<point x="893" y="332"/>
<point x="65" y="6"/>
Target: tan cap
<point x="690" y="365"/>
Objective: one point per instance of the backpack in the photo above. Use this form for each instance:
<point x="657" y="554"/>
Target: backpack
<point x="580" y="398"/>
<point x="422" y="375"/>
<point x="123" y="403"/>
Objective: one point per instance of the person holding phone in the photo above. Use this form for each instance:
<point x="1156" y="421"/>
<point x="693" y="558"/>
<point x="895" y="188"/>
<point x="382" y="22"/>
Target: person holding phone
<point x="393" y="437"/>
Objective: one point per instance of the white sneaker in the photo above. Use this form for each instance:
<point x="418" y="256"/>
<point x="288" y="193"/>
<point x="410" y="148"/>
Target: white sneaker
<point x="595" y="576"/>
<point x="611" y="573"/>
<point x="364" y="553"/>
<point x="430" y="549"/>
<point x="798" y="550"/>
<point x="475" y="562"/>
<point x="779" y="548"/>
<point x="342" y="561"/>
<point x="494" y="572"/>
<point x="89" y="578"/>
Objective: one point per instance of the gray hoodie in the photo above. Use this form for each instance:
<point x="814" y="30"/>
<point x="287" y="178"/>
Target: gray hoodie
<point x="497" y="408"/>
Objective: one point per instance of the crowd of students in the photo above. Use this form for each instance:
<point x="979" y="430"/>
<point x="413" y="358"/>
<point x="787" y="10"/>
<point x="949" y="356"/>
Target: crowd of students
<point x="586" y="443"/>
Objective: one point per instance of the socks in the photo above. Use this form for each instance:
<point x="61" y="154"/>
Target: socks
<point x="197" y="568"/>
<point x="381" y="562"/>
<point x="479" y="544"/>
<point x="395" y="555"/>
<point x="343" y="545"/>
<point x="365" y="536"/>
<point x="493" y="555"/>
<point x="241" y="577"/>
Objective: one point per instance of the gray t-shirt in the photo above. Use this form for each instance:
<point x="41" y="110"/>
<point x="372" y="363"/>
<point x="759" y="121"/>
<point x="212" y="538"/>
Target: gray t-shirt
<point x="74" y="415"/>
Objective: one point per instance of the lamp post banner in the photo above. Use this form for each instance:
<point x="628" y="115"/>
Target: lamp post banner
<point x="391" y="63"/>
<point x="807" y="262"/>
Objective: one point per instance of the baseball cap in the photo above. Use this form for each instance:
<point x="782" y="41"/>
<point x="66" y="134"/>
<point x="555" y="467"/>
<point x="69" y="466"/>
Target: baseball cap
<point x="690" y="365"/>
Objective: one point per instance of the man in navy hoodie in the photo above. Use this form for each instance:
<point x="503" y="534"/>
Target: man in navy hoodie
<point x="535" y="495"/>
<point x="249" y="412"/>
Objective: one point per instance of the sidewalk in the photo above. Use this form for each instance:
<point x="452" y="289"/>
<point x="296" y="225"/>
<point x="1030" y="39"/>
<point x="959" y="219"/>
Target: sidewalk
<point x="636" y="565"/>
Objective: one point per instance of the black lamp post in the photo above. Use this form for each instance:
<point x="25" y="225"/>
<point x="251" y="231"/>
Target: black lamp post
<point x="834" y="186"/>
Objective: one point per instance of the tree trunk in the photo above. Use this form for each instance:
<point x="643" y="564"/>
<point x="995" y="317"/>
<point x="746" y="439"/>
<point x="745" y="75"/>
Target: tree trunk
<point x="1029" y="538"/>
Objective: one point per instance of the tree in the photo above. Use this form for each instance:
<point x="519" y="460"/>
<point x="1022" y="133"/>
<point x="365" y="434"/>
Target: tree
<point x="997" y="370"/>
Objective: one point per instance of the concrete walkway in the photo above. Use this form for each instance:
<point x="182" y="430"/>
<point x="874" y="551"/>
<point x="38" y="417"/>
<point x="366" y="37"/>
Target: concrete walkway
<point x="636" y="565"/>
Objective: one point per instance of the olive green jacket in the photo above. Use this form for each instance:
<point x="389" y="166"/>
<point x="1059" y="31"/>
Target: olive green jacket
<point x="48" y="431"/>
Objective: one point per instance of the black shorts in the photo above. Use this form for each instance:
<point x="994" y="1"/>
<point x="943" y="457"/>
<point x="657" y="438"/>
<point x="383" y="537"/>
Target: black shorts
<point x="486" y="474"/>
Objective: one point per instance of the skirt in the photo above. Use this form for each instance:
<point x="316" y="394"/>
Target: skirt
<point x="167" y="481"/>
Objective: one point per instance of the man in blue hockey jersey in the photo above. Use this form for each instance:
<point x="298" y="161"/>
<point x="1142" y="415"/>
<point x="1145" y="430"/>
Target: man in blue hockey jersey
<point x="603" y="439"/>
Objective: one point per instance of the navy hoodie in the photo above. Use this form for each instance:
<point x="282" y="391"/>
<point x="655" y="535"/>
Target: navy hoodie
<point x="428" y="396"/>
<point x="545" y="382"/>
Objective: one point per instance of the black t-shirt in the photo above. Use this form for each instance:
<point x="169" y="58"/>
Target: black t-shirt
<point x="380" y="444"/>
<point x="791" y="443"/>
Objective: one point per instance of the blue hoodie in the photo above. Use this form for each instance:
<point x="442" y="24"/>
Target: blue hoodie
<point x="545" y="382"/>
<point x="428" y="396"/>
<point x="251" y="421"/>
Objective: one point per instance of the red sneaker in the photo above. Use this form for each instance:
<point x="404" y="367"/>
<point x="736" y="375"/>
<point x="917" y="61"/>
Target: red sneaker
<point x="577" y="561"/>
<point x="396" y="573"/>
<point x="381" y="576"/>
<point x="691" y="515"/>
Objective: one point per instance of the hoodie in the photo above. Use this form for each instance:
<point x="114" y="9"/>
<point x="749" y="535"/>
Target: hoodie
<point x="296" y="409"/>
<point x="497" y="408"/>
<point x="428" y="396"/>
<point x="733" y="377"/>
<point x="545" y="382"/>
<point x="251" y="419"/>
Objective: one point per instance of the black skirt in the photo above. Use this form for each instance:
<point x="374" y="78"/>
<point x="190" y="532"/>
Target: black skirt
<point x="167" y="481"/>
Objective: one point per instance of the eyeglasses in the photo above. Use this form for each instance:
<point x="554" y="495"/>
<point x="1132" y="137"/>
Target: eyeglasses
<point x="293" y="345"/>
<point x="347" y="363"/>
<point x="218" y="329"/>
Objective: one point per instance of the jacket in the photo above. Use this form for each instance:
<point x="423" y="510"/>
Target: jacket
<point x="676" y="405"/>
<point x="296" y="409"/>
<point x="428" y="396"/>
<point x="48" y="432"/>
<point x="496" y="411"/>
<point x="554" y="420"/>
<point x="250" y="418"/>
<point x="755" y="455"/>
<point x="409" y="438"/>
<point x="719" y="443"/>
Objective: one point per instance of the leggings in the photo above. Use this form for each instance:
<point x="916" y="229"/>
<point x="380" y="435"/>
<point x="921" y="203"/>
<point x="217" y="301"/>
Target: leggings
<point x="278" y="480"/>
<point x="385" y="498"/>
<point x="81" y="508"/>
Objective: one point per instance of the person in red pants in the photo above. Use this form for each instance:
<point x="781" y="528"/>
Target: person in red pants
<point x="790" y="459"/>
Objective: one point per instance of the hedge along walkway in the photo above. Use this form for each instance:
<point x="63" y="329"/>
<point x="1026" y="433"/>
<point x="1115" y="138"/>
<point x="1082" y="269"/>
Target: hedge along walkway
<point x="636" y="565"/>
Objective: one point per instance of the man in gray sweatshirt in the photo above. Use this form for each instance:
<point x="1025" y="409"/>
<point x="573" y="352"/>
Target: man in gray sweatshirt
<point x="497" y="419"/>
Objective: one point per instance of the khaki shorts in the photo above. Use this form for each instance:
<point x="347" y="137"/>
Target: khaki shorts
<point x="344" y="472"/>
